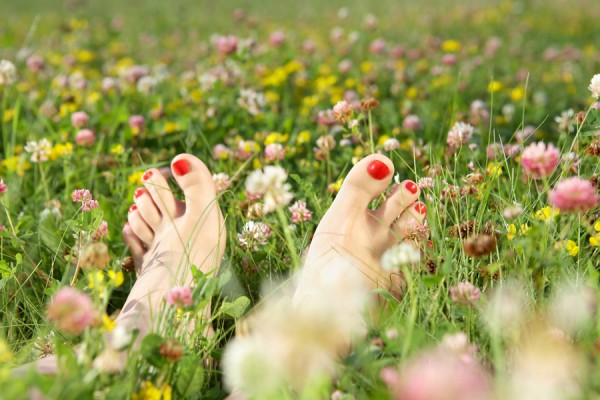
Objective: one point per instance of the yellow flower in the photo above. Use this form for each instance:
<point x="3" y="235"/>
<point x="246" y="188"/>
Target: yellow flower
<point x="276" y="137"/>
<point x="293" y="66"/>
<point x="5" y="353"/>
<point x="116" y="149"/>
<point x="8" y="114"/>
<point x="96" y="281"/>
<point x="303" y="137"/>
<point x="517" y="94"/>
<point x="595" y="240"/>
<point x="92" y="98"/>
<point x="412" y="92"/>
<point x="116" y="278"/>
<point x="171" y="126"/>
<point x="108" y="325"/>
<point x="150" y="392"/>
<point x="451" y="46"/>
<point x="366" y="66"/>
<point x="597" y="226"/>
<point x="495" y="86"/>
<point x="84" y="56"/>
<point x="15" y="164"/>
<point x="546" y="213"/>
<point x="382" y="139"/>
<point x="494" y="169"/>
<point x="66" y="109"/>
<point x="512" y="232"/>
<point x="524" y="229"/>
<point x="60" y="150"/>
<point x="136" y="178"/>
<point x="572" y="248"/>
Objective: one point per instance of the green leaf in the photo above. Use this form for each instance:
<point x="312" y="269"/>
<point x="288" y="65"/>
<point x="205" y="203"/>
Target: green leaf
<point x="190" y="376"/>
<point x="237" y="308"/>
<point x="432" y="280"/>
<point x="149" y="349"/>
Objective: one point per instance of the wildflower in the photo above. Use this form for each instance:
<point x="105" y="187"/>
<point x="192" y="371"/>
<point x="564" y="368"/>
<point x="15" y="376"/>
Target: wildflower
<point x="251" y="101"/>
<point x="79" y="119"/>
<point x="574" y="195"/>
<point x="253" y="235"/>
<point x="342" y="111"/>
<point x="539" y="160"/>
<point x="40" y="151"/>
<point x="85" y="197"/>
<point x="565" y="120"/>
<point x="391" y="144"/>
<point x="594" y="148"/>
<point x="180" y="297"/>
<point x="326" y="118"/>
<point x="94" y="255"/>
<point x="274" y="152"/>
<point x="595" y="86"/>
<point x="277" y="39"/>
<point x="246" y="149"/>
<point x="459" y="134"/>
<point x="400" y="255"/>
<point x="116" y="149"/>
<point x="136" y="123"/>
<point x="8" y="72"/>
<point x="146" y="84"/>
<point x="481" y="245"/>
<point x="5" y="353"/>
<point x="35" y="63"/>
<point x="85" y="137"/>
<point x="171" y="349"/>
<point x="226" y="45"/>
<point x="222" y="182"/>
<point x="595" y="240"/>
<point x="465" y="294"/>
<point x="425" y="183"/>
<point x="271" y="184"/>
<point x="300" y="213"/>
<point x="2" y="186"/>
<point x="377" y="46"/>
<point x="220" y="152"/>
<point x="72" y="311"/>
<point x="570" y="246"/>
<point x="150" y="392"/>
<point x="326" y="143"/>
<point x="546" y="213"/>
<point x="412" y="123"/>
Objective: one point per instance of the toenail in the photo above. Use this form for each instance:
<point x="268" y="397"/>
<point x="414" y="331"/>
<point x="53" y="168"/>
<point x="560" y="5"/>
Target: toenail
<point x="378" y="170"/>
<point x="147" y="175"/>
<point x="411" y="187"/>
<point x="181" y="167"/>
<point x="132" y="208"/>
<point x="138" y="193"/>
<point x="421" y="209"/>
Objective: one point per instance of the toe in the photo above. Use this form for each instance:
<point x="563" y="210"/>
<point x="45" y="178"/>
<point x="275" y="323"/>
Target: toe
<point x="147" y="208"/>
<point x="365" y="181"/>
<point x="135" y="245"/>
<point x="410" y="220"/>
<point x="158" y="188"/>
<point x="139" y="227"/>
<point x="404" y="195"/>
<point x="197" y="184"/>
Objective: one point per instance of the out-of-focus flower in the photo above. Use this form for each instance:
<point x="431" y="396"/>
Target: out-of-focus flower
<point x="171" y="349"/>
<point x="94" y="256"/>
<point x="377" y="46"/>
<point x="565" y="120"/>
<point x="274" y="152"/>
<point x="85" y="137"/>
<point x="109" y="361"/>
<point x="574" y="195"/>
<point x="253" y="235"/>
<point x="222" y="182"/>
<point x="412" y="123"/>
<point x="220" y="152"/>
<point x="539" y="160"/>
<point x="277" y="39"/>
<point x="546" y="213"/>
<point x="226" y="45"/>
<point x="572" y="308"/>
<point x="342" y="111"/>
<point x="595" y="86"/>
<point x="72" y="311"/>
<point x="505" y="310"/>
<point x="391" y="144"/>
<point x="2" y="186"/>
<point x="146" y="84"/>
<point x="512" y="211"/>
<point x="79" y="119"/>
<point x="300" y="213"/>
<point x="36" y="63"/>
<point x="8" y="72"/>
<point x="136" y="123"/>
<point x="403" y="254"/>
<point x="459" y="134"/>
<point x="271" y="184"/>
<point x="251" y="101"/>
<point x="150" y="392"/>
<point x="246" y="149"/>
<point x="465" y="294"/>
<point x="40" y="151"/>
<point x="180" y="296"/>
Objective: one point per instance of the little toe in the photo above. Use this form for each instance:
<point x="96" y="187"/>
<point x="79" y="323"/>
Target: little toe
<point x="139" y="226"/>
<point x="365" y="181"/>
<point x="158" y="188"/>
<point x="404" y="195"/>
<point x="135" y="245"/>
<point x="409" y="222"/>
<point x="197" y="184"/>
<point x="147" y="208"/>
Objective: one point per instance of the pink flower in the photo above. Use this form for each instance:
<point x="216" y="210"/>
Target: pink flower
<point x="274" y="152"/>
<point x="2" y="186"/>
<point x="449" y="60"/>
<point x="342" y="111"/>
<point x="539" y="160"/>
<point x="439" y="375"/>
<point x="391" y="144"/>
<point x="459" y="134"/>
<point x="300" y="213"/>
<point x="180" y="297"/>
<point x="79" y="119"/>
<point x="136" y="123"/>
<point x="345" y="66"/>
<point x="308" y="46"/>
<point x="101" y="232"/>
<point x="72" y="311"/>
<point x="574" y="194"/>
<point x="85" y="197"/>
<point x="222" y="182"/>
<point x="226" y="45"/>
<point x="85" y="137"/>
<point x="36" y="63"/>
<point x="220" y="151"/>
<point x="412" y="123"/>
<point x="277" y="39"/>
<point x="377" y="46"/>
<point x="326" y="118"/>
<point x="465" y="294"/>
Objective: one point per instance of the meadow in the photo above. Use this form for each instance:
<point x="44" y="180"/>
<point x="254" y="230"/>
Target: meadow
<point x="491" y="107"/>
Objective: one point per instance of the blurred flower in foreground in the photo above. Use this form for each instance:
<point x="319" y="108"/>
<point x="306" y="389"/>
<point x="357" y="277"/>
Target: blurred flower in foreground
<point x="72" y="311"/>
<point x="8" y="72"/>
<point x="572" y="308"/>
<point x="271" y="184"/>
<point x="180" y="296"/>
<point x="574" y="194"/>
<point x="403" y="254"/>
<point x="595" y="86"/>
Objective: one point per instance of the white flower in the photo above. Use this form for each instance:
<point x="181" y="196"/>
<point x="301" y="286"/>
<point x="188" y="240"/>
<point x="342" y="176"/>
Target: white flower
<point x="222" y="182"/>
<point x="39" y="150"/>
<point x="595" y="86"/>
<point x="565" y="120"/>
<point x="271" y="184"/>
<point x="146" y="84"/>
<point x="459" y="134"/>
<point x="253" y="235"/>
<point x="402" y="254"/>
<point x="8" y="72"/>
<point x="251" y="101"/>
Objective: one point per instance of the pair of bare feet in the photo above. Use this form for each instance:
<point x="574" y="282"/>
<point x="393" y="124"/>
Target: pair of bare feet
<point x="167" y="237"/>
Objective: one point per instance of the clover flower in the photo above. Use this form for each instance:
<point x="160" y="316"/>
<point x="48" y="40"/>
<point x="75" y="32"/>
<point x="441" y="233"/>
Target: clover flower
<point x="86" y="199"/>
<point x="539" y="160"/>
<point x="465" y="294"/>
<point x="40" y="151"/>
<point x="72" y="311"/>
<point x="595" y="86"/>
<point x="270" y="182"/>
<point x="573" y="195"/>
<point x="253" y="235"/>
<point x="180" y="297"/>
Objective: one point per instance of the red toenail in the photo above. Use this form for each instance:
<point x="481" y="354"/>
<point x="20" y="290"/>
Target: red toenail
<point x="138" y="192"/>
<point x="132" y="208"/>
<point x="411" y="187"/>
<point x="378" y="170"/>
<point x="181" y="167"/>
<point x="420" y="207"/>
<point x="147" y="175"/>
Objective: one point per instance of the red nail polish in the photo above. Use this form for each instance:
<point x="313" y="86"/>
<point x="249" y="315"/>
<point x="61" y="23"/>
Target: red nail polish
<point x="132" y="208"/>
<point x="147" y="175"/>
<point x="138" y="193"/>
<point x="411" y="187"/>
<point x="378" y="170"/>
<point x="181" y="167"/>
<point x="421" y="209"/>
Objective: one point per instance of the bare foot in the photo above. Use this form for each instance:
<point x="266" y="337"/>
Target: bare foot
<point x="167" y="237"/>
<point x="353" y="233"/>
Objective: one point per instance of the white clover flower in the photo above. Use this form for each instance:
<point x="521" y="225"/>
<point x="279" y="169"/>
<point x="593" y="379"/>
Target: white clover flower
<point x="8" y="72"/>
<point x="271" y="184"/>
<point x="251" y="101"/>
<point x="595" y="86"/>
<point x="39" y="150"/>
<point x="253" y="235"/>
<point x="402" y="254"/>
<point x="459" y="134"/>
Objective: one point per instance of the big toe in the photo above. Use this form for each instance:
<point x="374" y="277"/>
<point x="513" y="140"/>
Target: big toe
<point x="197" y="184"/>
